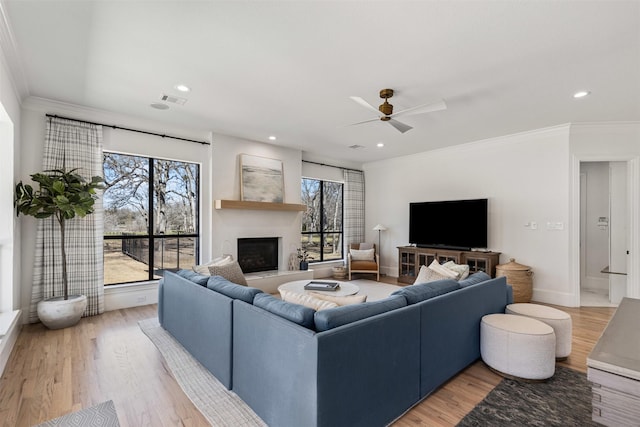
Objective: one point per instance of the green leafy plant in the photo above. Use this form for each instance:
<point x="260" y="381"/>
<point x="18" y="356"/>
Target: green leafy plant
<point x="62" y="194"/>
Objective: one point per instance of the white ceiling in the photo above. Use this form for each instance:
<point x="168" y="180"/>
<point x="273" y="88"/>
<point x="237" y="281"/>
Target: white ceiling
<point x="285" y="68"/>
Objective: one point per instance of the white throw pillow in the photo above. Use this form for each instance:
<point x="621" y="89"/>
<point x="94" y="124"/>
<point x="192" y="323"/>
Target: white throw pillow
<point x="428" y="275"/>
<point x="364" y="255"/>
<point x="435" y="266"/>
<point x="218" y="262"/>
<point x="307" y="300"/>
<point x="461" y="269"/>
<point x="340" y="300"/>
<point x="231" y="271"/>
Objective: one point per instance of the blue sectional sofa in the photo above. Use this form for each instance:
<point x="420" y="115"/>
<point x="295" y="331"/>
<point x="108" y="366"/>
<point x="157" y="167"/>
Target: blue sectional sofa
<point x="359" y="365"/>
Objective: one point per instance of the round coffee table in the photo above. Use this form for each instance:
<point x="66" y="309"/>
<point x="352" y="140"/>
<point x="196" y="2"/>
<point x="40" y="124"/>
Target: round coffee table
<point x="298" y="286"/>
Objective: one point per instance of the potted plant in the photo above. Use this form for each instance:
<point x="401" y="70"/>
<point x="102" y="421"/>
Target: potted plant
<point x="304" y="258"/>
<point x="63" y="195"/>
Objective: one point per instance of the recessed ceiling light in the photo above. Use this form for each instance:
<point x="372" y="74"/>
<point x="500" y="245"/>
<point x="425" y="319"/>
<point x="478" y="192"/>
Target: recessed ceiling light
<point x="581" y="94"/>
<point x="380" y="145"/>
<point x="159" y="106"/>
<point x="272" y="138"/>
<point x="182" y="88"/>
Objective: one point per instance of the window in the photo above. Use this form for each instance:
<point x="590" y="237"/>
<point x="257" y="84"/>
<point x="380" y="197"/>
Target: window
<point x="151" y="217"/>
<point x="322" y="222"/>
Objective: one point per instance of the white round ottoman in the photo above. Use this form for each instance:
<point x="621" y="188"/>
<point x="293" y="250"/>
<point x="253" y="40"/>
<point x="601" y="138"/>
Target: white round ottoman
<point x="518" y="346"/>
<point x="557" y="319"/>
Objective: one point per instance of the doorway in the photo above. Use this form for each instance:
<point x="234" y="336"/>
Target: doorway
<point x="604" y="235"/>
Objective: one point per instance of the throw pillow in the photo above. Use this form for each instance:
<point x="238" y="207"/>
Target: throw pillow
<point x="344" y="300"/>
<point x="306" y="300"/>
<point x="428" y="275"/>
<point x="232" y="272"/>
<point x="461" y="269"/>
<point x="219" y="261"/>
<point x="296" y="313"/>
<point x="435" y="266"/>
<point x="364" y="255"/>
<point x="424" y="291"/>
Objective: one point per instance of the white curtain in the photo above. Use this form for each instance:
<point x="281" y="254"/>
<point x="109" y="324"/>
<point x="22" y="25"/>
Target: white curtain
<point x="70" y="145"/>
<point x="353" y="207"/>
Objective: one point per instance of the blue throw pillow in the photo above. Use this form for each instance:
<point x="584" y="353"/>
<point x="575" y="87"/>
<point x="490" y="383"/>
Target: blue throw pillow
<point x="295" y="313"/>
<point x="423" y="291"/>
<point x="475" y="278"/>
<point x="334" y="317"/>
<point x="193" y="276"/>
<point x="232" y="290"/>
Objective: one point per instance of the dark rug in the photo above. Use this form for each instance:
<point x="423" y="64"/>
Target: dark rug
<point x="564" y="400"/>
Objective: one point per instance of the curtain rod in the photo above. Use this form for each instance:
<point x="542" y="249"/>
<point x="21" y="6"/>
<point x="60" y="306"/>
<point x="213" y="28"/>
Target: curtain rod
<point x="332" y="166"/>
<point x="129" y="129"/>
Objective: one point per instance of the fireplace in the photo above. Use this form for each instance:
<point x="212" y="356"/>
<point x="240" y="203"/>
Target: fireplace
<point x="258" y="254"/>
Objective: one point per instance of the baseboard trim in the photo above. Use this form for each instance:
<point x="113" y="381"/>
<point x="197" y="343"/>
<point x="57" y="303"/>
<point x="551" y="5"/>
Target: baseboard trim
<point x="553" y="297"/>
<point x="126" y="296"/>
<point x="10" y="327"/>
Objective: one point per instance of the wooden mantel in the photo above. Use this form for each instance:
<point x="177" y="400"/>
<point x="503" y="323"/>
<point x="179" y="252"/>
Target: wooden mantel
<point x="265" y="206"/>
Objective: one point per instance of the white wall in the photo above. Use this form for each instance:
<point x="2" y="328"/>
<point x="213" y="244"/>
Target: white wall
<point x="230" y="224"/>
<point x="596" y="238"/>
<point x="524" y="176"/>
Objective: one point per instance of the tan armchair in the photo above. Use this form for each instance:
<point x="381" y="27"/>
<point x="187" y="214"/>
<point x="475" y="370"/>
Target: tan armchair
<point x="363" y="265"/>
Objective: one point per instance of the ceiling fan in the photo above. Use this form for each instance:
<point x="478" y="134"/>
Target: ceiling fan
<point x="386" y="114"/>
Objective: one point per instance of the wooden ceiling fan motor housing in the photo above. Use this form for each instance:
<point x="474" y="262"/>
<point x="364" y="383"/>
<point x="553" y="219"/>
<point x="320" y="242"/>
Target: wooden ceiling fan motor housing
<point x="386" y="108"/>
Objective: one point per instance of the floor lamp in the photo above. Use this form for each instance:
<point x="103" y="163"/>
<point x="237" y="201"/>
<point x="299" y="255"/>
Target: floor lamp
<point x="379" y="228"/>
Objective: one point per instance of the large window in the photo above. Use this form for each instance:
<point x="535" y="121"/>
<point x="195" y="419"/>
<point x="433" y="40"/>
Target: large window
<point x="151" y="217"/>
<point x="322" y="221"/>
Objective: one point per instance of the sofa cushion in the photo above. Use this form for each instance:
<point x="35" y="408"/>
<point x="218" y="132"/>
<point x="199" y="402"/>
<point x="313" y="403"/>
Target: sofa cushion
<point x="219" y="261"/>
<point x="364" y="265"/>
<point x="232" y="290"/>
<point x="423" y="291"/>
<point x="475" y="278"/>
<point x="295" y="313"/>
<point x="230" y="271"/>
<point x="307" y="300"/>
<point x="334" y="317"/>
<point x="193" y="276"/>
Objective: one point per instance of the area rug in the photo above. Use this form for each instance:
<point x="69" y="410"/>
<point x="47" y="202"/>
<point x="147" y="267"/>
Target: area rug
<point x="219" y="406"/>
<point x="101" y="415"/>
<point x="564" y="400"/>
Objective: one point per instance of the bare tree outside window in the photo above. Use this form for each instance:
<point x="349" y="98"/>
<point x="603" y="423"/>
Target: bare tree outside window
<point x="322" y="230"/>
<point x="138" y="234"/>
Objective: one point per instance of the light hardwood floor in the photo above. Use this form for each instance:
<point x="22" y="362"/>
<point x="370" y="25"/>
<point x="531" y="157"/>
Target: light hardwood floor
<point x="51" y="373"/>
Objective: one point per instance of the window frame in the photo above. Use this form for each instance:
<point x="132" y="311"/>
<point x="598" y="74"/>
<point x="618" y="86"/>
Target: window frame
<point x="322" y="232"/>
<point x="150" y="236"/>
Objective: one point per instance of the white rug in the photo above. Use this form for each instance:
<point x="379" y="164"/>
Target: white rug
<point x="219" y="406"/>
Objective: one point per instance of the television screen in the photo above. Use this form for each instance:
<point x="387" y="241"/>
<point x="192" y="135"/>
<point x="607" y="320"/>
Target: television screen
<point x="454" y="224"/>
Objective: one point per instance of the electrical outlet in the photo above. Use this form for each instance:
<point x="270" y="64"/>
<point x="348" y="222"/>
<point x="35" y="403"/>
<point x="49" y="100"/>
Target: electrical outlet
<point x="555" y="225"/>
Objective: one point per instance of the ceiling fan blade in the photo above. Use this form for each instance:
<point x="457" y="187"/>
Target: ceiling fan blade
<point x="365" y="104"/>
<point x="421" y="109"/>
<point x="364" y="121"/>
<point x="399" y="125"/>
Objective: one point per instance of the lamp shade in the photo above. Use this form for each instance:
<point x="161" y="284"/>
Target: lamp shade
<point x="379" y="227"/>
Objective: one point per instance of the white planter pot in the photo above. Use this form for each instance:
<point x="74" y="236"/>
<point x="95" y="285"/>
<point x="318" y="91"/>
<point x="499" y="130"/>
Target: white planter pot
<point x="58" y="313"/>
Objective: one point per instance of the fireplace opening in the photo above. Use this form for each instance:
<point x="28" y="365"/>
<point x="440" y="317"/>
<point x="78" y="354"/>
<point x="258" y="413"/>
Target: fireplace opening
<point x="258" y="254"/>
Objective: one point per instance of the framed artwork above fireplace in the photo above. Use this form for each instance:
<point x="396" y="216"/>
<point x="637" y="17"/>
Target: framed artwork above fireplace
<point x="261" y="178"/>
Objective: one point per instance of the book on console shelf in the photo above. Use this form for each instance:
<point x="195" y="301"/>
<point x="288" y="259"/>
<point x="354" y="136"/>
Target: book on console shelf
<point x="322" y="285"/>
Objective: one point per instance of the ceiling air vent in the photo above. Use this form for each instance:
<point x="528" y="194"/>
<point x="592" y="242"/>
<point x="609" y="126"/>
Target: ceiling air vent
<point x="173" y="99"/>
<point x="356" y="146"/>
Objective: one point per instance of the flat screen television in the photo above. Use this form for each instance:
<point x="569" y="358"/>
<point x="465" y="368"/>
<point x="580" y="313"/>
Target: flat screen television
<point x="453" y="224"/>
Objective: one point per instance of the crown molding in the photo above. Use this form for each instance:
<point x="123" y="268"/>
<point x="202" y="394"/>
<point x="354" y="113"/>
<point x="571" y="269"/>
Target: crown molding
<point x="10" y="56"/>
